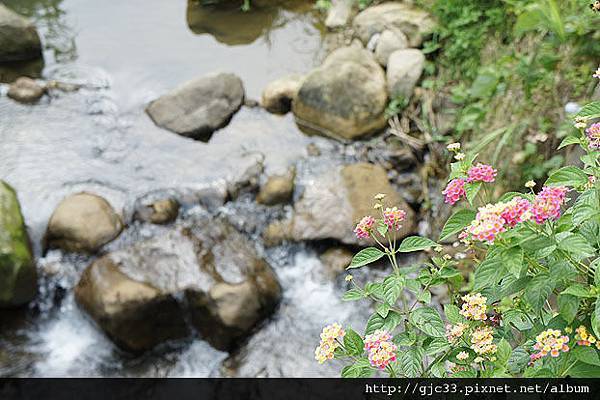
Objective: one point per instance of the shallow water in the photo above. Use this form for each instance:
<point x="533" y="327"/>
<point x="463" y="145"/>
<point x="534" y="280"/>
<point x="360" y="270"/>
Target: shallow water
<point x="126" y="53"/>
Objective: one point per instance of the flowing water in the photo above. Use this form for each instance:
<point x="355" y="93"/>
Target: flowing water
<point x="98" y="138"/>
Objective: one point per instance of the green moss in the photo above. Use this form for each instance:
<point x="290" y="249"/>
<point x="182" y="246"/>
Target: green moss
<point x="17" y="269"/>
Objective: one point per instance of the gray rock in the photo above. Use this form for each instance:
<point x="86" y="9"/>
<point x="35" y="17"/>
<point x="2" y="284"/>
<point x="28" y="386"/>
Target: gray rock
<point x="209" y="275"/>
<point x="18" y="276"/>
<point x="19" y="39"/>
<point x="157" y="211"/>
<point x="336" y="260"/>
<point x="345" y="98"/>
<point x="25" y="90"/>
<point x="83" y="222"/>
<point x="278" y="95"/>
<point x="333" y="203"/>
<point x="199" y="107"/>
<point x="339" y="14"/>
<point x="404" y="70"/>
<point x="389" y="41"/>
<point x="414" y="22"/>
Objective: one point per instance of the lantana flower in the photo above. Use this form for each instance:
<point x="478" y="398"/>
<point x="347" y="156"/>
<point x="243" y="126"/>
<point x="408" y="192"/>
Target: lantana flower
<point x="547" y="203"/>
<point x="380" y="349"/>
<point x="393" y="218"/>
<point x="455" y="332"/>
<point x="488" y="223"/>
<point x="593" y="135"/>
<point x="482" y="340"/>
<point x="329" y="343"/>
<point x="474" y="307"/>
<point x="481" y="173"/>
<point x="364" y="227"/>
<point x="550" y="341"/>
<point x="454" y="191"/>
<point x="584" y="338"/>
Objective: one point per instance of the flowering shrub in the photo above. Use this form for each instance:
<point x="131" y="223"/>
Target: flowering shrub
<point x="531" y="307"/>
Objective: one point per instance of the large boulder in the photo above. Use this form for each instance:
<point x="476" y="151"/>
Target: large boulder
<point x="199" y="107"/>
<point x="339" y="13"/>
<point x="404" y="70"/>
<point x="209" y="275"/>
<point x="389" y="41"/>
<point x="18" y="277"/>
<point x="83" y="222"/>
<point x="334" y="202"/>
<point x="19" y="39"/>
<point x="414" y="22"/>
<point x="345" y="98"/>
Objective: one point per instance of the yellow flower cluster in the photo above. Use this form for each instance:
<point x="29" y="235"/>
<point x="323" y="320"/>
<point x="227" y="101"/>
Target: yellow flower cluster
<point x="328" y="344"/>
<point x="584" y="338"/>
<point x="550" y="341"/>
<point x="482" y="341"/>
<point x="474" y="307"/>
<point x="454" y="332"/>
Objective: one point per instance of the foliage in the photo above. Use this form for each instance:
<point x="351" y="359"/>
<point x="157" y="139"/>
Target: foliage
<point x="533" y="307"/>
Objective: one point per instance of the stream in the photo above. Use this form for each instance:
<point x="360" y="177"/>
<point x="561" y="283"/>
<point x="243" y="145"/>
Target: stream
<point x="99" y="139"/>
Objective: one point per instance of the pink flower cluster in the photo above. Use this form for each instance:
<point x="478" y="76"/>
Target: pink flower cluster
<point x="380" y="348"/>
<point x="393" y="218"/>
<point x="364" y="227"/>
<point x="550" y="341"/>
<point x="593" y="135"/>
<point x="548" y="202"/>
<point x="494" y="219"/>
<point x="454" y="191"/>
<point x="481" y="173"/>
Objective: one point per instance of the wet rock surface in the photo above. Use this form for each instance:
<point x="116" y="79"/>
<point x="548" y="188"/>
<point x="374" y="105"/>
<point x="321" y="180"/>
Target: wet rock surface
<point x="19" y="39"/>
<point x="83" y="222"/>
<point x="199" y="107"/>
<point x="208" y="274"/>
<point x="18" y="276"/>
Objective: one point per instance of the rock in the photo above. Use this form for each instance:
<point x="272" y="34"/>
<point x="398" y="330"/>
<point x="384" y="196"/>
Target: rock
<point x="278" y="189"/>
<point x="339" y="14"/>
<point x="335" y="260"/>
<point x="19" y="39"/>
<point x="160" y="211"/>
<point x="404" y="71"/>
<point x="334" y="202"/>
<point x="18" y="276"/>
<point x="278" y="95"/>
<point x="388" y="42"/>
<point x="276" y="233"/>
<point x="209" y="275"/>
<point x="199" y="107"/>
<point x="248" y="181"/>
<point x="415" y="23"/>
<point x="25" y="90"/>
<point x="83" y="222"/>
<point x="345" y="98"/>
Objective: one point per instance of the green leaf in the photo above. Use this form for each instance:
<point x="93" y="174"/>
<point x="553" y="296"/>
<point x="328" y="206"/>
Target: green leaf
<point x="568" y="141"/>
<point x="576" y="244"/>
<point x="471" y="190"/>
<point x="582" y="370"/>
<point x="457" y="222"/>
<point x="415" y="243"/>
<point x="469" y="373"/>
<point x="382" y="228"/>
<point x="353" y="294"/>
<point x="366" y="256"/>
<point x="518" y="360"/>
<point x="427" y="320"/>
<point x="578" y="290"/>
<point x="568" y="306"/>
<point x="513" y="260"/>
<point x="392" y="287"/>
<point x="360" y="369"/>
<point x="596" y="319"/>
<point x="567" y="176"/>
<point x="383" y="309"/>
<point x="411" y="362"/>
<point x="436" y="345"/>
<point x="518" y="319"/>
<point x="489" y="273"/>
<point x="453" y="314"/>
<point x="588" y="355"/>
<point x="590" y="110"/>
<point x="353" y="343"/>
<point x="503" y="353"/>
<point x="374" y="323"/>
<point x="538" y="290"/>
<point x="392" y="320"/>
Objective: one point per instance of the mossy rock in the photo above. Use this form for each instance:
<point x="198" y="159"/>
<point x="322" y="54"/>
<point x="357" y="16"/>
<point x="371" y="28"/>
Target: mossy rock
<point x="18" y="277"/>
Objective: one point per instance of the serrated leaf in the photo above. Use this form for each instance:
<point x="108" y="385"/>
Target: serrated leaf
<point x="538" y="290"/>
<point x="590" y="110"/>
<point x="353" y="343"/>
<point x="353" y="294"/>
<point x="411" y="362"/>
<point x="360" y="369"/>
<point x="469" y="373"/>
<point x="568" y="306"/>
<point x="489" y="272"/>
<point x="452" y="313"/>
<point x="427" y="320"/>
<point x="513" y="260"/>
<point x="567" y="176"/>
<point x="568" y="141"/>
<point x="471" y="190"/>
<point x="577" y="290"/>
<point x="382" y="228"/>
<point x="457" y="222"/>
<point x="383" y="309"/>
<point x="366" y="256"/>
<point x="503" y="352"/>
<point x="392" y="320"/>
<point x="588" y="355"/>
<point x="518" y="360"/>
<point x="595" y="319"/>
<point x="436" y="345"/>
<point x="415" y="243"/>
<point x="576" y="244"/>
<point x="374" y="323"/>
<point x="518" y="319"/>
<point x="392" y="287"/>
